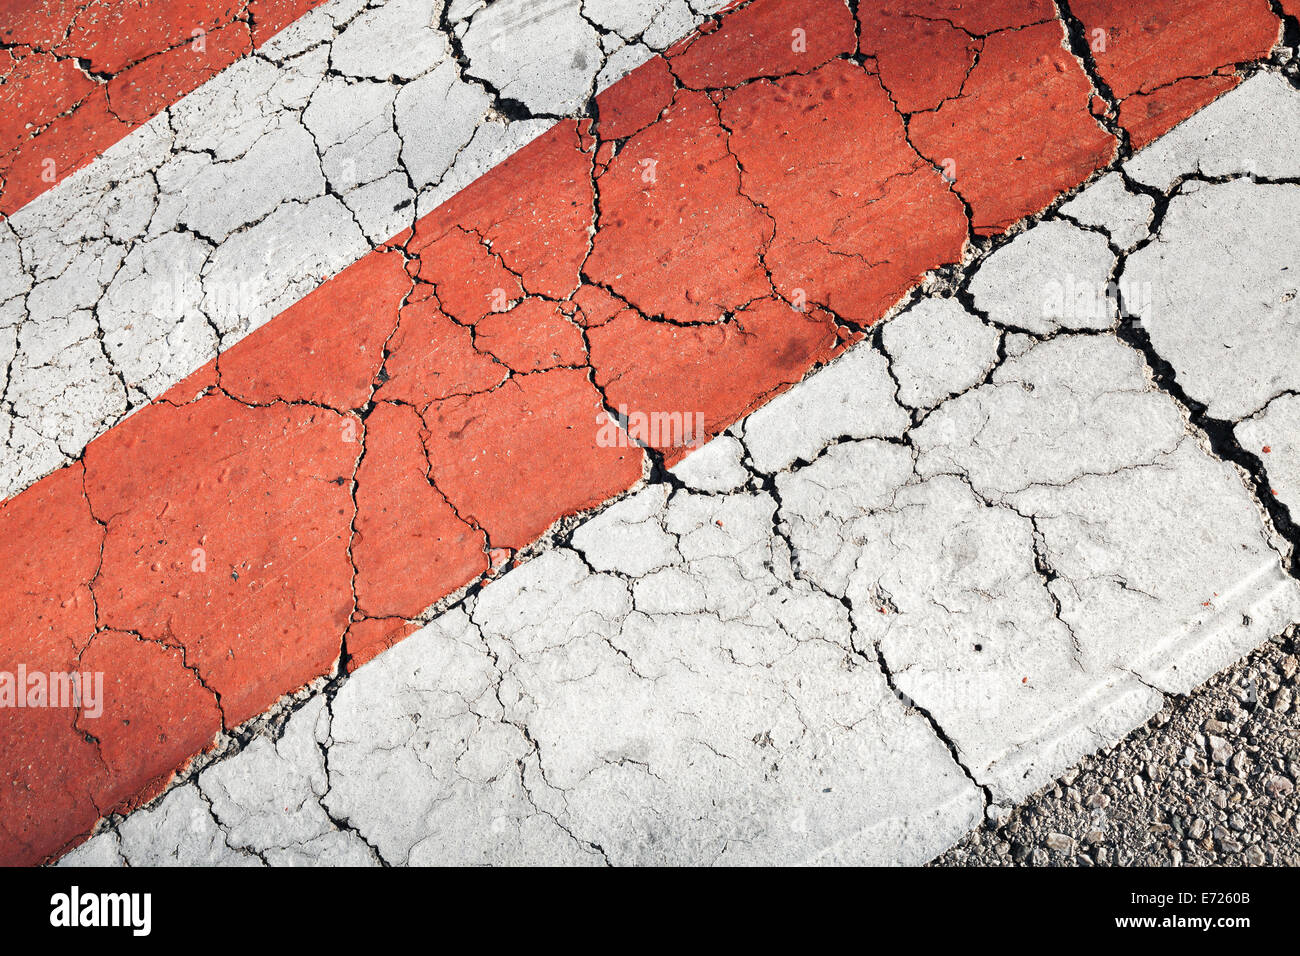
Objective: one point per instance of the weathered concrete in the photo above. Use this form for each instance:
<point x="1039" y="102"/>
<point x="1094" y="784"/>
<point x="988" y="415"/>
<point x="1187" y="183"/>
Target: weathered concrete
<point x="937" y="571"/>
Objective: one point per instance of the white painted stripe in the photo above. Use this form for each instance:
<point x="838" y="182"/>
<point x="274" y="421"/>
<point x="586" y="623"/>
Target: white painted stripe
<point x="277" y="173"/>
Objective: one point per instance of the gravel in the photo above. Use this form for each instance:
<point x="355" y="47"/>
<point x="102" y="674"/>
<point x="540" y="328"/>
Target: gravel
<point x="1210" y="780"/>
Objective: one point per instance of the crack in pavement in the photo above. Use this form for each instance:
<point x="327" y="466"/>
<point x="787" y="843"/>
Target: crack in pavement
<point x="944" y="278"/>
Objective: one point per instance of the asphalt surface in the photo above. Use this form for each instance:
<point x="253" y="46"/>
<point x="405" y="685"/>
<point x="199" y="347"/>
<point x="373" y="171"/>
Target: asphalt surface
<point x="1208" y="781"/>
<point x="358" y="386"/>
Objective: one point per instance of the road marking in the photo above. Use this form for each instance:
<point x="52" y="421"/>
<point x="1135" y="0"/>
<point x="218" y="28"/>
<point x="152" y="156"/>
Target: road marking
<point x="229" y="536"/>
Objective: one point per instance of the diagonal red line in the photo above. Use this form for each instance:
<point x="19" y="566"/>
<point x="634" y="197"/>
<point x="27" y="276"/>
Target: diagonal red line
<point x="77" y="77"/>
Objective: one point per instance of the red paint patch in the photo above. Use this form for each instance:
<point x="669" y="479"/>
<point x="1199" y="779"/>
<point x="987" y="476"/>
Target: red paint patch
<point x="845" y="235"/>
<point x="924" y="49"/>
<point x="534" y="212"/>
<point x="518" y="459"/>
<point x="765" y="38"/>
<point x="636" y="101"/>
<point x="432" y="358"/>
<point x="64" y="146"/>
<point x="37" y="88"/>
<point x="409" y="545"/>
<point x="595" y="306"/>
<point x="53" y="780"/>
<point x="140" y="92"/>
<point x="532" y="336"/>
<point x="468" y="278"/>
<point x="153" y="703"/>
<point x="51" y="550"/>
<point x="676" y="237"/>
<point x="371" y="637"/>
<point x="715" y="372"/>
<point x="1159" y="57"/>
<point x="1148" y="116"/>
<point x="326" y="348"/>
<point x="52" y="775"/>
<point x="921" y="62"/>
<point x="227" y="535"/>
<point x="1021" y="133"/>
<point x="115" y="35"/>
<point x="982" y="18"/>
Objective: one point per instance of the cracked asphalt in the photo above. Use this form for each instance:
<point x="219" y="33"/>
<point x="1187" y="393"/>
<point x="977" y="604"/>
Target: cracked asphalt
<point x="927" y="564"/>
<point x="949" y="578"/>
<point x="1209" y="780"/>
<point x="232" y="204"/>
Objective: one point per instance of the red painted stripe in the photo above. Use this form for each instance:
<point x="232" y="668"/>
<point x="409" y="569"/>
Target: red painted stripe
<point x="1165" y="59"/>
<point x="75" y="77"/>
<point x="412" y="423"/>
